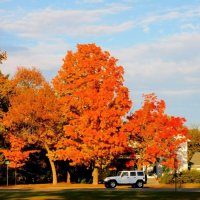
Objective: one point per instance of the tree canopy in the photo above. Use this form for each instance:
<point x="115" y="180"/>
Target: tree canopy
<point x="154" y="134"/>
<point x="94" y="102"/>
<point x="34" y="113"/>
<point x="84" y="116"/>
<point x="15" y="154"/>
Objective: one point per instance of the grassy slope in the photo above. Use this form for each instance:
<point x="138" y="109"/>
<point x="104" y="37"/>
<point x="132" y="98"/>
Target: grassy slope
<point x="98" y="195"/>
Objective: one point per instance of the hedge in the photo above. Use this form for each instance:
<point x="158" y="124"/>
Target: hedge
<point x="189" y="176"/>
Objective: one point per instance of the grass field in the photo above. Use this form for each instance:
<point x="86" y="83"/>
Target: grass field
<point x="97" y="195"/>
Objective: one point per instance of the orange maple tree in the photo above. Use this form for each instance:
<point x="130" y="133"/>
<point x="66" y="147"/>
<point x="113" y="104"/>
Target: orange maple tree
<point x="154" y="134"/>
<point x="94" y="102"/>
<point x="34" y="113"/>
<point x="15" y="154"/>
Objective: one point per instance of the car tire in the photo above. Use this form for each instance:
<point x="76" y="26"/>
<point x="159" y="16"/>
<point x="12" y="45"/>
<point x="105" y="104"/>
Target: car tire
<point x="139" y="184"/>
<point x="112" y="184"/>
<point x="107" y="185"/>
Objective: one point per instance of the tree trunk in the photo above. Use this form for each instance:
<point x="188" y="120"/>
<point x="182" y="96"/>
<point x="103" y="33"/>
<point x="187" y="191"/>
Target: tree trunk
<point x="95" y="175"/>
<point x="15" y="176"/>
<point x="53" y="169"/>
<point x="140" y="162"/>
<point x="52" y="164"/>
<point x="139" y="167"/>
<point x="68" y="177"/>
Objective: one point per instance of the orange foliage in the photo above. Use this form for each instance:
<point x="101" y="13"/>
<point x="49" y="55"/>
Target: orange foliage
<point x="34" y="111"/>
<point x="15" y="154"/>
<point x="154" y="133"/>
<point x="94" y="103"/>
<point x="6" y="90"/>
<point x="130" y="164"/>
<point x="90" y="101"/>
<point x="34" y="114"/>
<point x="28" y="78"/>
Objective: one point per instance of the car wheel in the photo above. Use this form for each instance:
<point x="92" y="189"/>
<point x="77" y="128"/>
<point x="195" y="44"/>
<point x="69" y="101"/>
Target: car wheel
<point x="139" y="184"/>
<point x="113" y="184"/>
<point x="107" y="185"/>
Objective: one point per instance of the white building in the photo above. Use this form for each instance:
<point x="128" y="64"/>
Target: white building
<point x="182" y="156"/>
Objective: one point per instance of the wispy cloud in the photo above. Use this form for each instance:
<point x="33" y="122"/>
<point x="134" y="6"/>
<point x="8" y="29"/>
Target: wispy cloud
<point x="190" y="27"/>
<point x="46" y="56"/>
<point x="97" y="30"/>
<point x="181" y="14"/>
<point x="158" y="44"/>
<point x="175" y="55"/>
<point x="69" y="22"/>
<point x="89" y="22"/>
<point x="180" y="92"/>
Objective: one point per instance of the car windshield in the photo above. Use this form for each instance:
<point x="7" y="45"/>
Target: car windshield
<point x="119" y="173"/>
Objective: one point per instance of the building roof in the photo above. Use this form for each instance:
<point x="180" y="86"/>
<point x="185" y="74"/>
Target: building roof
<point x="195" y="158"/>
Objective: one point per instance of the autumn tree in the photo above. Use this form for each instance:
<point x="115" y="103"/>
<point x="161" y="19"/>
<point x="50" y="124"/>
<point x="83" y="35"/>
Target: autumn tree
<point x="16" y="154"/>
<point x="94" y="102"/>
<point x="34" y="113"/>
<point x="6" y="90"/>
<point x="154" y="134"/>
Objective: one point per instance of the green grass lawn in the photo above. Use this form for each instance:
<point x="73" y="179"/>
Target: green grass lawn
<point x="97" y="195"/>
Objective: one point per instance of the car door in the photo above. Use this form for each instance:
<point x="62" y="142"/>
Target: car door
<point x="124" y="178"/>
<point x="133" y="177"/>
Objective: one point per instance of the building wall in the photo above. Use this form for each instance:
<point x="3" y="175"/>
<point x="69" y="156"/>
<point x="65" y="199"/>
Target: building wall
<point x="182" y="156"/>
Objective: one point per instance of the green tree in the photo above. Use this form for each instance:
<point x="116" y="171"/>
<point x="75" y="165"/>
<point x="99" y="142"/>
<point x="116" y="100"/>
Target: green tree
<point x="194" y="142"/>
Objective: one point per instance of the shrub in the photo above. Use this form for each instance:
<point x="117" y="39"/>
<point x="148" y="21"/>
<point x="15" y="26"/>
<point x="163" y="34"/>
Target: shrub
<point x="188" y="176"/>
<point x="167" y="178"/>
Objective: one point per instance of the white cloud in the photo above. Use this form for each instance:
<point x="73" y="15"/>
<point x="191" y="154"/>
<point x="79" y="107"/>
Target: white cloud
<point x="89" y="22"/>
<point x="193" y="80"/>
<point x="181" y="14"/>
<point x="190" y="26"/>
<point x="45" y="56"/>
<point x="68" y="22"/>
<point x="180" y="92"/>
<point x="175" y="55"/>
<point x="102" y="29"/>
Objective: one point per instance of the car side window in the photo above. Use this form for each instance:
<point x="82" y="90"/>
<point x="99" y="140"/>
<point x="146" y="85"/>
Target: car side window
<point x="124" y="174"/>
<point x="133" y="174"/>
<point x="140" y="174"/>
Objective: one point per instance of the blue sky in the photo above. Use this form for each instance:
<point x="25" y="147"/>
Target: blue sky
<point x="157" y="43"/>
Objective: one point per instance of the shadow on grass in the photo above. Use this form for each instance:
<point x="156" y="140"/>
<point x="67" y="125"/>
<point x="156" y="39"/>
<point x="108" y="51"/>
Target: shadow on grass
<point x="97" y="195"/>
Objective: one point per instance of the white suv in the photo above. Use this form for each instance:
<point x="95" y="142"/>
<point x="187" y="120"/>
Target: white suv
<point x="134" y="178"/>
